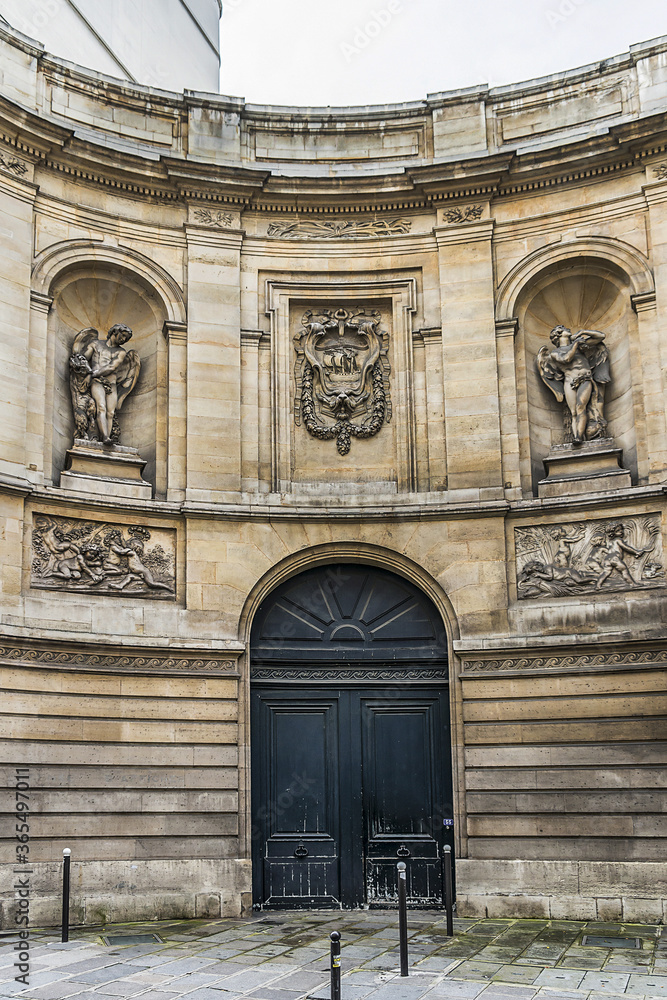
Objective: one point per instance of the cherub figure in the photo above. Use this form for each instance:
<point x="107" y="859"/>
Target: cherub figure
<point x="66" y="560"/>
<point x="576" y="370"/>
<point x="137" y="572"/>
<point x="610" y="555"/>
<point x="102" y="375"/>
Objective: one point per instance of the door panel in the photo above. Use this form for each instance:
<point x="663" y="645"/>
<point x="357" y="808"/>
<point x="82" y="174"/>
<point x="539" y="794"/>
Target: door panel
<point x="401" y="779"/>
<point x="296" y="799"/>
<point x="346" y="783"/>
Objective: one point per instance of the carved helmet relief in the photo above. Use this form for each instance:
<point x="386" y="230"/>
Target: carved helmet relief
<point x="341" y="372"/>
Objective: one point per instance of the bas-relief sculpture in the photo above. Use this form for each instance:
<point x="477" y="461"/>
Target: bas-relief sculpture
<point x="316" y="230"/>
<point x="576" y="370"/>
<point x="586" y="557"/>
<point x="102" y="558"/>
<point x="342" y="375"/>
<point x="102" y="375"/>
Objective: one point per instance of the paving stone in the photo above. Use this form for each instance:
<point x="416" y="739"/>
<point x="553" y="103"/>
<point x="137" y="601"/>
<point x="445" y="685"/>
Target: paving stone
<point x="560" y="978"/>
<point x="450" y="988"/>
<point x="271" y="993"/>
<point x="517" y="974"/>
<point x="475" y="970"/>
<point x="107" y="974"/>
<point x="655" y="986"/>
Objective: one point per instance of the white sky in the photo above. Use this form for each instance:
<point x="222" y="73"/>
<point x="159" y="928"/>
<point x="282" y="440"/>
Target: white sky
<point x="341" y="52"/>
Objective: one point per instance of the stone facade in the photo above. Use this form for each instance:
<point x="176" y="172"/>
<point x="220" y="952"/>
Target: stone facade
<point x="337" y="318"/>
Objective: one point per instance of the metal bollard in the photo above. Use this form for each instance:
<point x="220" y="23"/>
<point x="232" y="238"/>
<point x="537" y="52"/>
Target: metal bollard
<point x="403" y="916"/>
<point x="449" y="891"/>
<point x="65" y="920"/>
<point x="335" y="965"/>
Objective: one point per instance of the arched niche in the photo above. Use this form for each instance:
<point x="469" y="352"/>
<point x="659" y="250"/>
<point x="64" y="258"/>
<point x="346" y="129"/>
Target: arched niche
<point x="99" y="295"/>
<point x="580" y="292"/>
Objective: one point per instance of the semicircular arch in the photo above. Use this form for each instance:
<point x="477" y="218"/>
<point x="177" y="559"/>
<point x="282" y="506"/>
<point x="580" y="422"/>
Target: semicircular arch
<point x="613" y="253"/>
<point x="56" y="260"/>
<point x="351" y="552"/>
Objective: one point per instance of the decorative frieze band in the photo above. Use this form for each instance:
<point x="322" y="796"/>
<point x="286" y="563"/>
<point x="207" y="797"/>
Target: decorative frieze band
<point x="342" y="674"/>
<point x="73" y="657"/>
<point x="646" y="657"/>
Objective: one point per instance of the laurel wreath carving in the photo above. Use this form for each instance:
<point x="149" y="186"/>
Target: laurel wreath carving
<point x="344" y="429"/>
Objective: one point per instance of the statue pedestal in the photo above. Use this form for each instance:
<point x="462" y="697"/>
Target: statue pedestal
<point x="92" y="467"/>
<point x="587" y="468"/>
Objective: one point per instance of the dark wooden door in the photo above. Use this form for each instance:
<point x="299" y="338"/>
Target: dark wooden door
<point x="346" y="783"/>
<point x="350" y="741"/>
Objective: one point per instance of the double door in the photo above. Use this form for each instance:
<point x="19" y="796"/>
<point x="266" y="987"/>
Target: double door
<point x="346" y="783"/>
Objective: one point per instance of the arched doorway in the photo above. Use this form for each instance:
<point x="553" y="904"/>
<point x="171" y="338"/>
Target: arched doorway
<point x="351" y="762"/>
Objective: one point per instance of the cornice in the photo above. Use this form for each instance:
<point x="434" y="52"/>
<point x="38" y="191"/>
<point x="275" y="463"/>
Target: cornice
<point x="270" y="507"/>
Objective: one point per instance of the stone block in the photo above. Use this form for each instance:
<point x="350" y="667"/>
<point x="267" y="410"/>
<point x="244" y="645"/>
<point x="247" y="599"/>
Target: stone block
<point x="609" y="908"/>
<point x="572" y="908"/>
<point x="207" y="906"/>
<point x="638" y="910"/>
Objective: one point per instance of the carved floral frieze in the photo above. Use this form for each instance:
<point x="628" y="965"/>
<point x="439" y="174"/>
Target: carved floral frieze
<point x="13" y="164"/>
<point x="219" y="220"/>
<point x="586" y="557"/>
<point x="660" y="172"/>
<point x="471" y="213"/>
<point x="96" y="557"/>
<point x="307" y="230"/>
<point x="341" y="373"/>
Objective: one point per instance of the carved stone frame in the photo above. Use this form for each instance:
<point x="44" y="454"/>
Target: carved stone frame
<point x="403" y="295"/>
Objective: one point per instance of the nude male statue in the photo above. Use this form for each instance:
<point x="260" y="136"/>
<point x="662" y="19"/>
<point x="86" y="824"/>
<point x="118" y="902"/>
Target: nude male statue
<point x="103" y="372"/>
<point x="576" y="370"/>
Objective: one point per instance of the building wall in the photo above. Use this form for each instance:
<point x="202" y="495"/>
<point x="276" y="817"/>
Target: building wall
<point x="168" y="44"/>
<point x="472" y="222"/>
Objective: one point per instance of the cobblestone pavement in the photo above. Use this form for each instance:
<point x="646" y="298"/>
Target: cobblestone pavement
<point x="285" y="956"/>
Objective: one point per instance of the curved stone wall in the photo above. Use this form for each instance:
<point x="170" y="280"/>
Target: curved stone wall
<point x="337" y="315"/>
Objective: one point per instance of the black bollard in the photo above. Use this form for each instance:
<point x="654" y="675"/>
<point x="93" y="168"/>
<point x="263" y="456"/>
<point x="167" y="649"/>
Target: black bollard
<point x="65" y="921"/>
<point x="449" y="891"/>
<point x="335" y="965"/>
<point x="403" y="916"/>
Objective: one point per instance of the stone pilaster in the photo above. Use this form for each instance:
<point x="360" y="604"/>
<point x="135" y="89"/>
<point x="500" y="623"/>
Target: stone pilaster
<point x="17" y="198"/>
<point x="177" y="361"/>
<point x="214" y="364"/>
<point x="472" y="416"/>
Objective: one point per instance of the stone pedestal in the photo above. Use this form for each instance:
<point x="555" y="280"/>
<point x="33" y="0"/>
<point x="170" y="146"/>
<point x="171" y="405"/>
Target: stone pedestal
<point x="92" y="467"/>
<point x="587" y="468"/>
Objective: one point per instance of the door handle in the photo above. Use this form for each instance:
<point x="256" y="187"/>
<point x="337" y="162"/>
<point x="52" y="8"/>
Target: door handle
<point x="301" y="851"/>
<point x="403" y="852"/>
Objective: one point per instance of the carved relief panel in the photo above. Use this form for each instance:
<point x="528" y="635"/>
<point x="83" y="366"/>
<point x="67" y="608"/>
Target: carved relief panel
<point x="342" y="400"/>
<point x="341" y="375"/>
<point x="98" y="557"/>
<point x="588" y="557"/>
